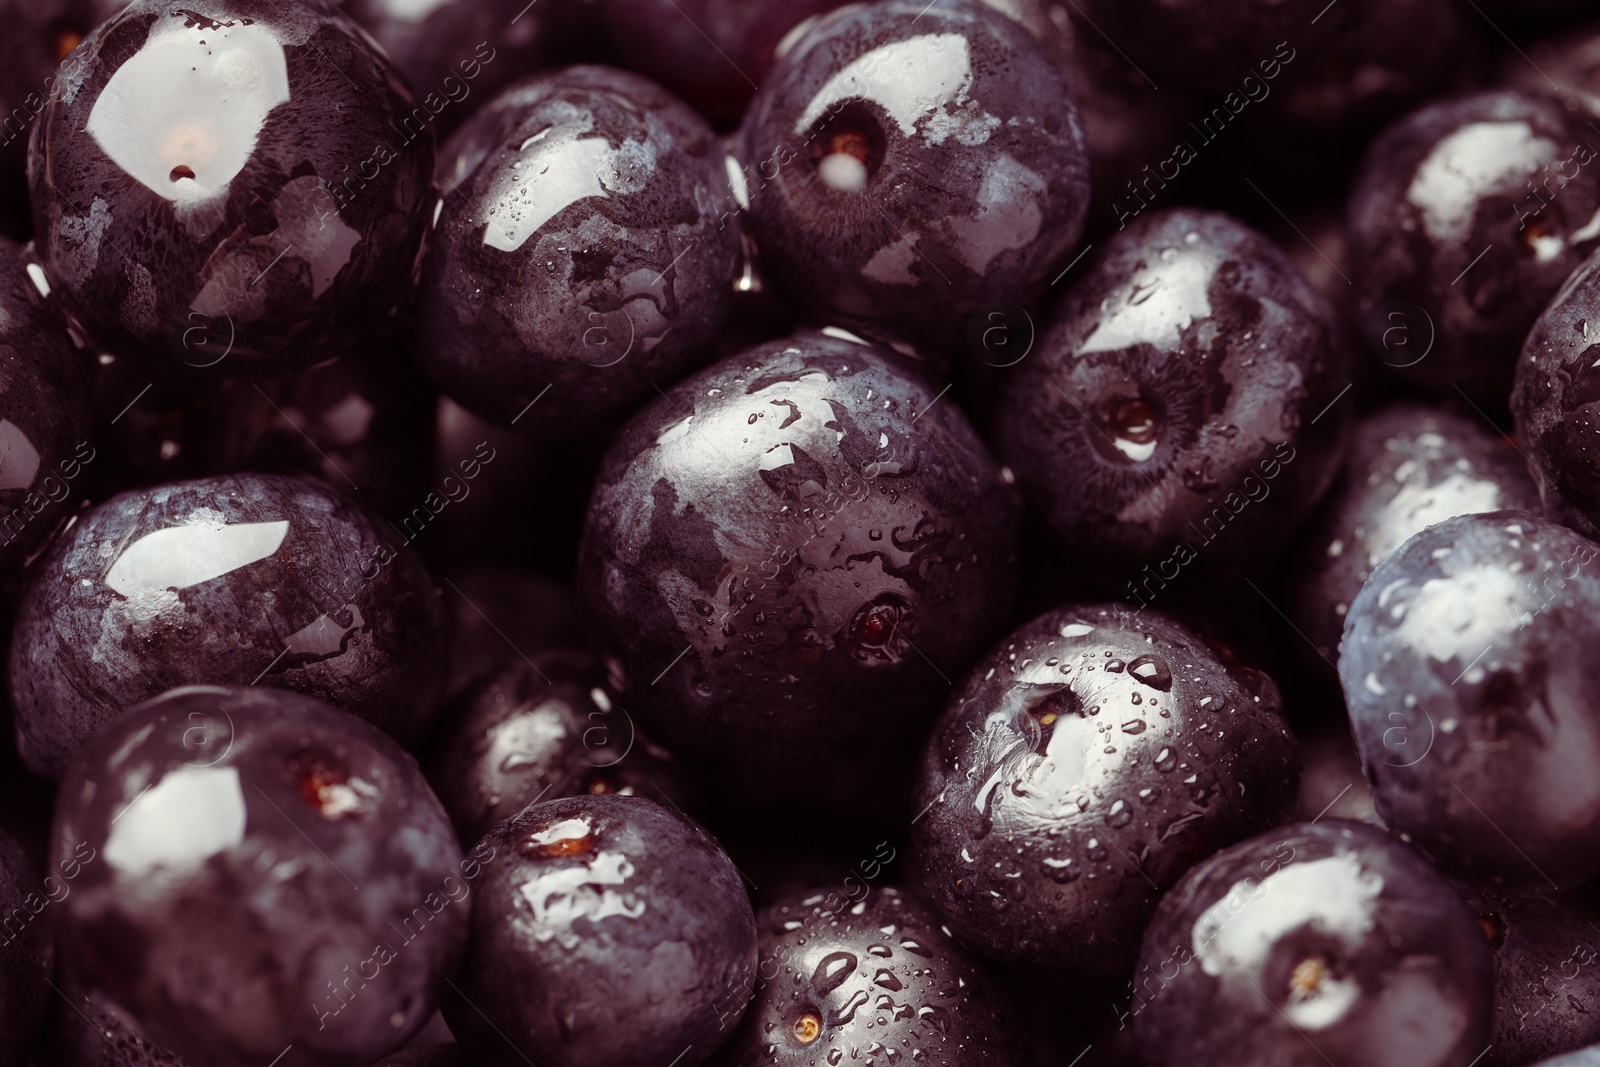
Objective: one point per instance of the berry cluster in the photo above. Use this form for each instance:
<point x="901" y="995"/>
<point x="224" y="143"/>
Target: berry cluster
<point x="792" y="533"/>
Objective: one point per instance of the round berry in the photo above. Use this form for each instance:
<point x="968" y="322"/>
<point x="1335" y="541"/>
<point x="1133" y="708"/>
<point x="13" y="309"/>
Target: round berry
<point x="1184" y="402"/>
<point x="1094" y="756"/>
<point x="269" y="877"/>
<point x="542" y="729"/>
<point x="1465" y="218"/>
<point x="796" y="548"/>
<point x="842" y="981"/>
<point x="242" y="190"/>
<point x="607" y="931"/>
<point x="1319" y="942"/>
<point x="1467" y="671"/>
<point x="911" y="165"/>
<point x="584" y="253"/>
<point x="248" y="579"/>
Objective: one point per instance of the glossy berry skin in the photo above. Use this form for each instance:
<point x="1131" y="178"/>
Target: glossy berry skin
<point x="541" y="729"/>
<point x="242" y="191"/>
<point x="1410" y="465"/>
<point x="1467" y="668"/>
<point x="268" y="871"/>
<point x="774" y="547"/>
<point x="586" y="249"/>
<point x="712" y="53"/>
<point x="1503" y="170"/>
<point x="841" y="983"/>
<point x="247" y="579"/>
<point x="1087" y="762"/>
<point x="1314" y="943"/>
<point x="44" y="415"/>
<point x="1170" y="409"/>
<point x="1553" y="400"/>
<point x="1547" y="987"/>
<point x="912" y="166"/>
<point x="607" y="930"/>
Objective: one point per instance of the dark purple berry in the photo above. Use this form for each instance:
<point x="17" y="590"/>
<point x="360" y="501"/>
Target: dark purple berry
<point x="1465" y="218"/>
<point x="911" y="165"/>
<point x="243" y="579"/>
<point x="1547" y="987"/>
<point x="269" y="877"/>
<point x="242" y="189"/>
<point x="1094" y="756"/>
<point x="795" y="548"/>
<point x="607" y="931"/>
<point x="542" y="729"/>
<point x="1316" y="943"/>
<point x="1468" y="671"/>
<point x="1183" y="403"/>
<point x="585" y="252"/>
<point x="841" y="982"/>
<point x="1557" y="386"/>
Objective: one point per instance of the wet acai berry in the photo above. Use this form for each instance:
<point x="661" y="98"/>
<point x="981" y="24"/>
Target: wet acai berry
<point x="607" y="931"/>
<point x="248" y="579"/>
<point x="1324" y="942"/>
<point x="1557" y="386"/>
<point x="242" y="189"/>
<point x="585" y="253"/>
<point x="842" y="981"/>
<point x="911" y="165"/>
<point x="1182" y="403"/>
<point x="270" y="877"/>
<point x="44" y="413"/>
<point x="1410" y="466"/>
<point x="793" y="548"/>
<point x="540" y="729"/>
<point x="1464" y="219"/>
<point x="1468" y="669"/>
<point x="1547" y="985"/>
<point x="1087" y="762"/>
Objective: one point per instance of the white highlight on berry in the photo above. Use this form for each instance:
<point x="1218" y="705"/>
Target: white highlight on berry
<point x="924" y="78"/>
<point x="1478" y="159"/>
<point x="191" y="101"/>
<point x="180" y="556"/>
<point x="1336" y="897"/>
<point x="19" y="460"/>
<point x="843" y="172"/>
<point x="189" y="815"/>
<point x="1158" y="304"/>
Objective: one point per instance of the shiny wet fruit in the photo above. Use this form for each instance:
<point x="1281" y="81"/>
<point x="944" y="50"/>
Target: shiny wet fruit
<point x="1088" y="761"/>
<point x="259" y="870"/>
<point x="607" y="931"/>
